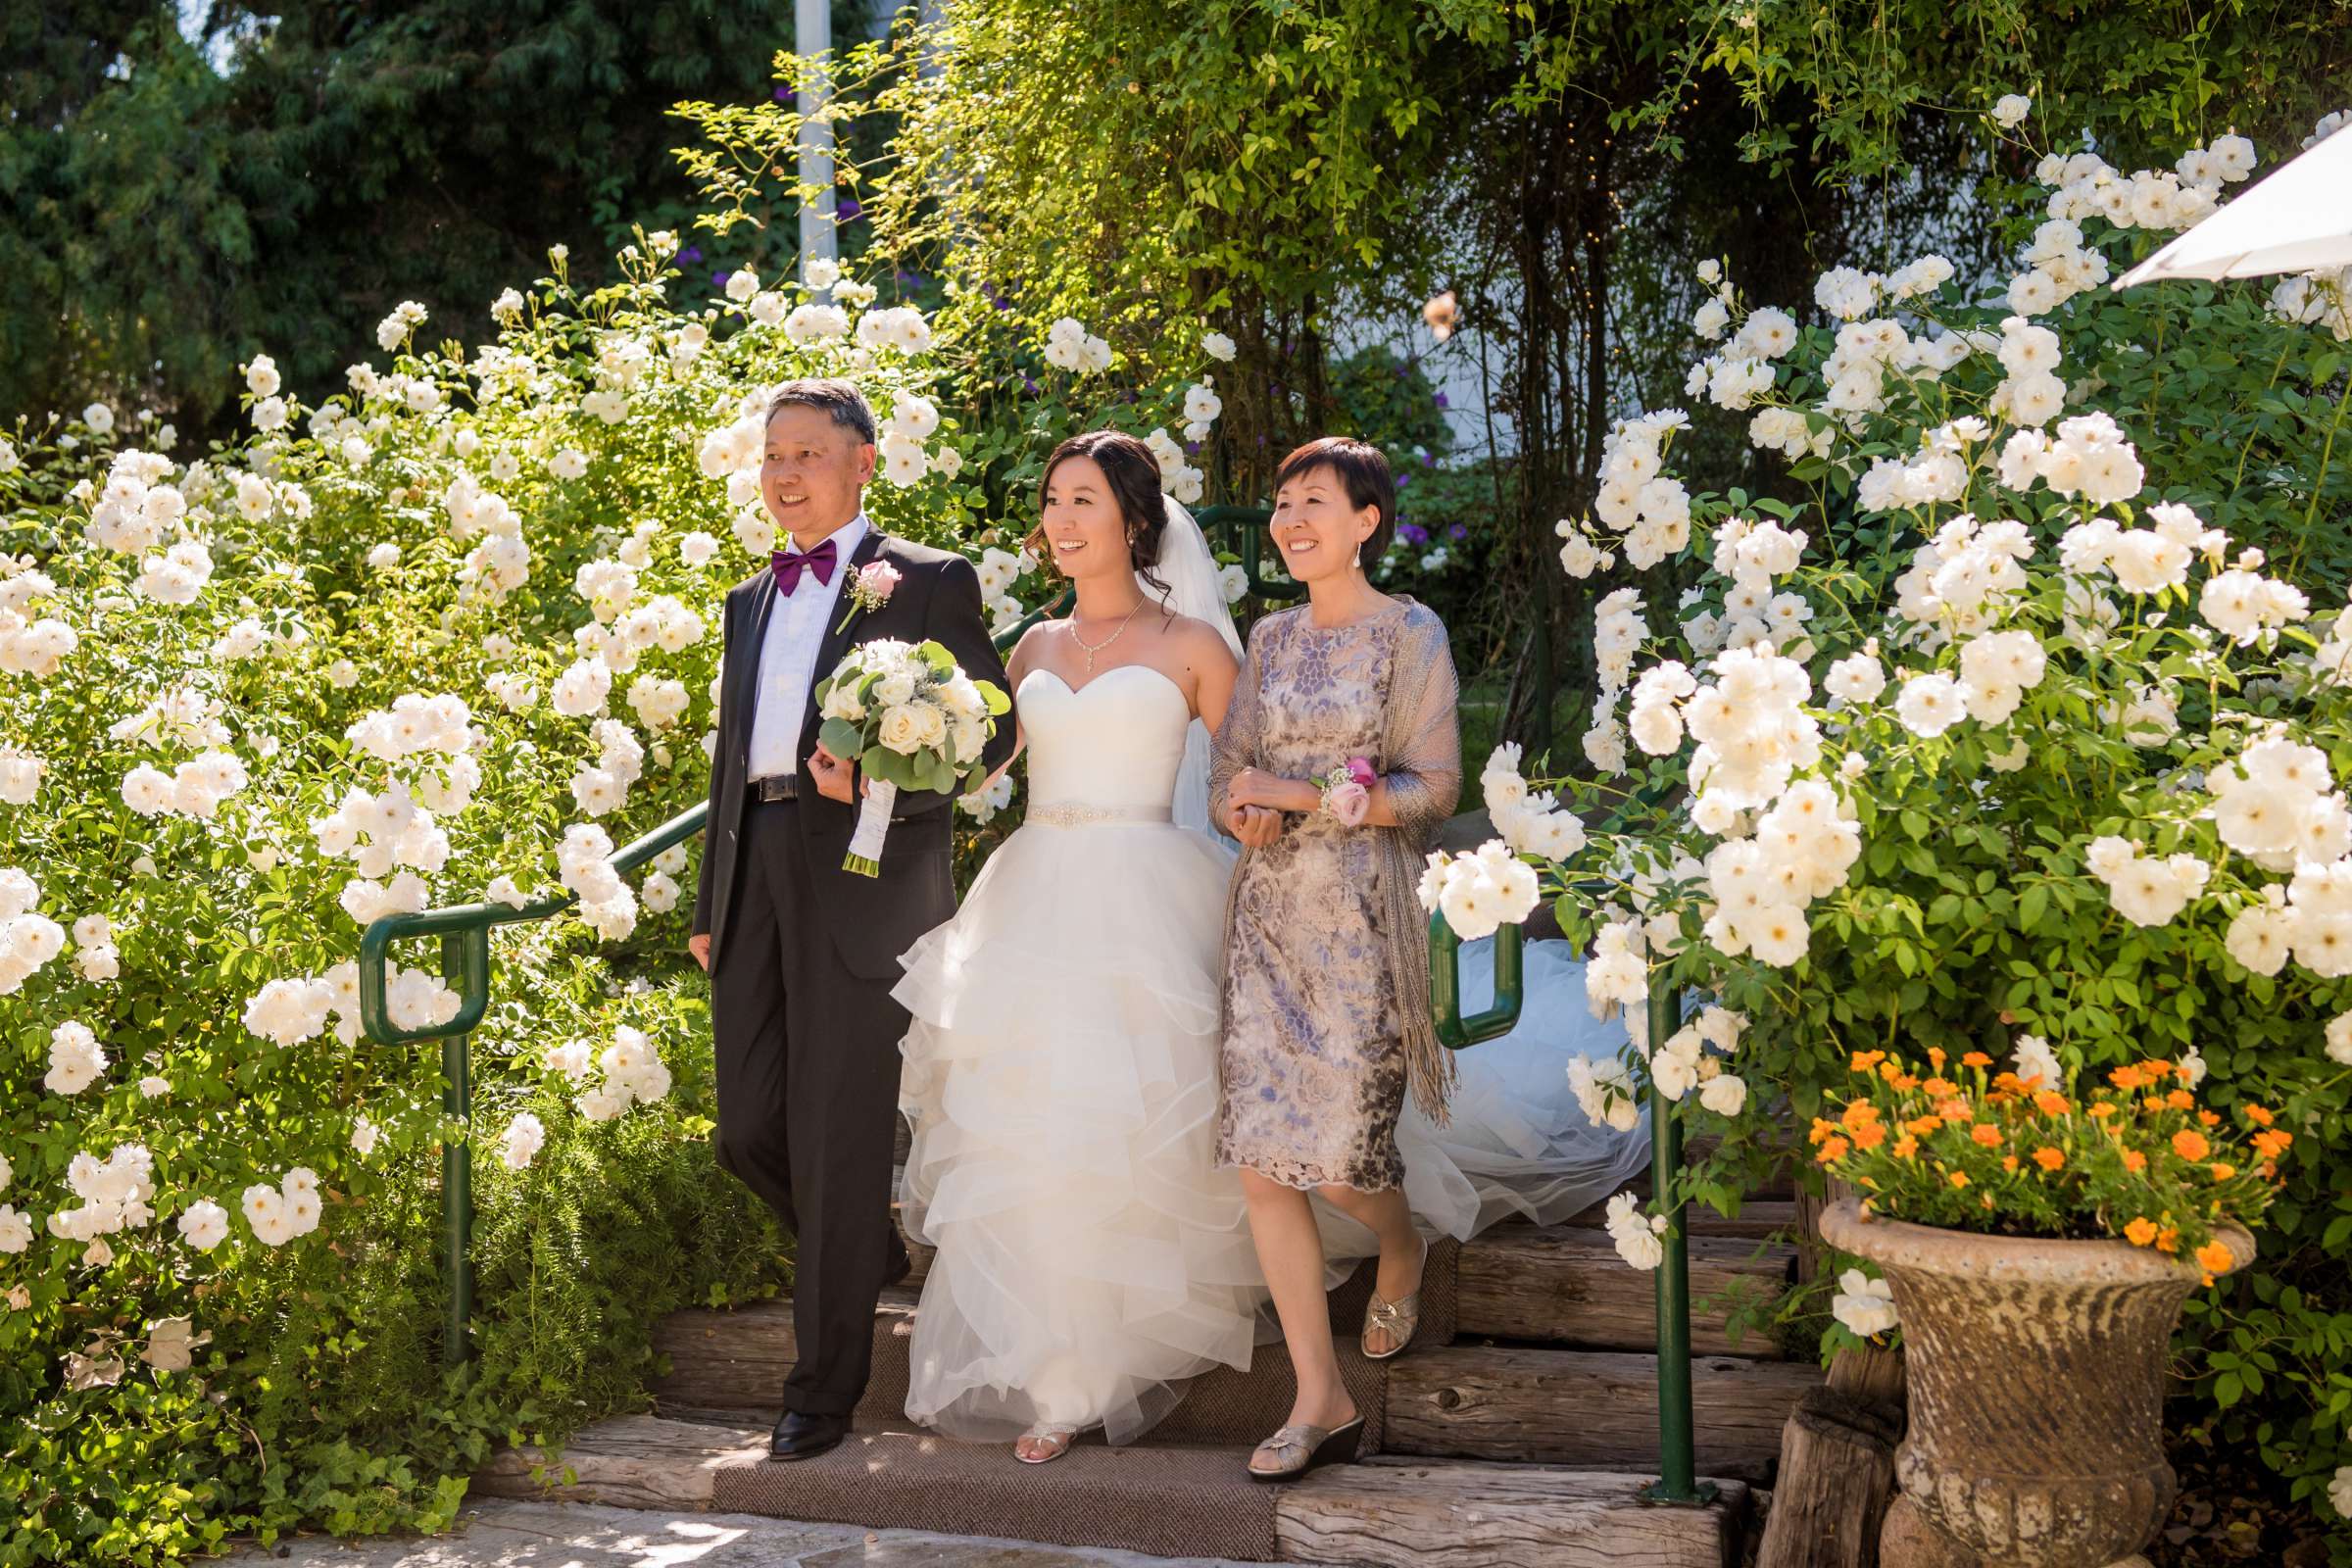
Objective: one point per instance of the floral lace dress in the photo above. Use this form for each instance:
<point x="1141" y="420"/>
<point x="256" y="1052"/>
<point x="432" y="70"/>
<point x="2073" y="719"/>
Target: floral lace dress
<point x="1313" y="1062"/>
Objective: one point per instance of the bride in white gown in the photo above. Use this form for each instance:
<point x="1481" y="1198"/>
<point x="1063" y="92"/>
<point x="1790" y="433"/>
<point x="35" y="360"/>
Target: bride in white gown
<point x="1060" y="1070"/>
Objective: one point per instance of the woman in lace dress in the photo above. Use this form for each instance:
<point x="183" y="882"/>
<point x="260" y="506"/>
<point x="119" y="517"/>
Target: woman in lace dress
<point x="1325" y="995"/>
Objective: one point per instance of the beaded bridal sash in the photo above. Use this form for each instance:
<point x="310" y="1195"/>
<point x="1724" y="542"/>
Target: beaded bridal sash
<point x="1077" y="814"/>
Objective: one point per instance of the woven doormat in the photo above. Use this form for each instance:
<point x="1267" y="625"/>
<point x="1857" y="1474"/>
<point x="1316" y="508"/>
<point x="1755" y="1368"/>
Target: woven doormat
<point x="1168" y="1502"/>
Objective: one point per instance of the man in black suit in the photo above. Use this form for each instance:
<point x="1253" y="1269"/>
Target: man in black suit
<point x="802" y="954"/>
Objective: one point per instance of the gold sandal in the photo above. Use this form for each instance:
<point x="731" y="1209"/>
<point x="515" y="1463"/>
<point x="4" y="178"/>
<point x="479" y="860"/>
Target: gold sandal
<point x="1299" y="1449"/>
<point x="1396" y="1319"/>
<point x="1052" y="1443"/>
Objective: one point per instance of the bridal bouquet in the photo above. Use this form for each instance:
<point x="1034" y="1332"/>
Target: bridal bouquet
<point x="911" y="719"/>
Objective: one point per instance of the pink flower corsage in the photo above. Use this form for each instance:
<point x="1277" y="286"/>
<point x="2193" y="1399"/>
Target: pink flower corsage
<point x="870" y="588"/>
<point x="1348" y="792"/>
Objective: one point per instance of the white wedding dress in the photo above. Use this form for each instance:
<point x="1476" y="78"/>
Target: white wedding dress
<point x="1061" y="1078"/>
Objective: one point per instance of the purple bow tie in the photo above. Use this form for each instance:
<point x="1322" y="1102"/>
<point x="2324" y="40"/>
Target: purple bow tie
<point x="788" y="567"/>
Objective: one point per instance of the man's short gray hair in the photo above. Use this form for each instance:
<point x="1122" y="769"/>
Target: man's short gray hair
<point x="839" y="399"/>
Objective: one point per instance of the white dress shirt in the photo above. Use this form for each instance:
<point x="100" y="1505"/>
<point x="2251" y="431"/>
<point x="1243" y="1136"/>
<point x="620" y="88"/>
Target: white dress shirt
<point x="797" y="625"/>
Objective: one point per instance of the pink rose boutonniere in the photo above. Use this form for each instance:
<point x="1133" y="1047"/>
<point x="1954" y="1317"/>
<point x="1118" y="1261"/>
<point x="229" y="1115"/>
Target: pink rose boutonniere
<point x="1348" y="792"/>
<point x="870" y="588"/>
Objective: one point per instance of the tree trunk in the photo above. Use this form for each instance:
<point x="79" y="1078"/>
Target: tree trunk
<point x="1836" y="1479"/>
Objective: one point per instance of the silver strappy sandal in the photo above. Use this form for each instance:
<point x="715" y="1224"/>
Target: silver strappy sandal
<point x="1297" y="1449"/>
<point x="1396" y="1319"/>
<point x="1046" y="1444"/>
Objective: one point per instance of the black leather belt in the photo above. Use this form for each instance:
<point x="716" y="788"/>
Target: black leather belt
<point x="776" y="787"/>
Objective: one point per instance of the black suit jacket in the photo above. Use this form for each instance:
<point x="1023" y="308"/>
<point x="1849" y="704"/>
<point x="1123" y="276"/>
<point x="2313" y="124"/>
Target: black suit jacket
<point x="870" y="920"/>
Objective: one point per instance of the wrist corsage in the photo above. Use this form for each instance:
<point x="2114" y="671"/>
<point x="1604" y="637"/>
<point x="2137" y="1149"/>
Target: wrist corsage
<point x="1347" y="791"/>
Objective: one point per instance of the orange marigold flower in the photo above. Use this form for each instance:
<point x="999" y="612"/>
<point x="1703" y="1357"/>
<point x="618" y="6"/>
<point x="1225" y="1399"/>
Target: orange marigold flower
<point x="2048" y="1159"/>
<point x="2126" y="1078"/>
<point x="2009" y="1163"/>
<point x="2103" y="1108"/>
<point x="2272" y="1142"/>
<point x="1859" y="1113"/>
<point x="2182" y="1100"/>
<point x="1890" y="1069"/>
<point x="1975" y="1058"/>
<point x="2156" y="1068"/>
<point x="1924" y="1125"/>
<point x="2191" y="1144"/>
<point x="1954" y="1109"/>
<point x="1864" y="1060"/>
<point x="2206" y="1118"/>
<point x="2052" y="1103"/>
<point x="1989" y="1136"/>
<point x="1823" y="1129"/>
<point x="2140" y="1232"/>
<point x="1903" y="1081"/>
<point x="1905" y="1146"/>
<point x="1936" y="1056"/>
<point x="2256" y="1114"/>
<point x="1834" y="1149"/>
<point x="1941" y="1088"/>
<point x="2134" y="1161"/>
<point x="1870" y="1137"/>
<point x="2168" y="1239"/>
<point x="2223" y="1170"/>
<point x="1959" y="1177"/>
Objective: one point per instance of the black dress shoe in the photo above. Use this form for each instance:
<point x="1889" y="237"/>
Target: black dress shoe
<point x="898" y="1268"/>
<point x="804" y="1436"/>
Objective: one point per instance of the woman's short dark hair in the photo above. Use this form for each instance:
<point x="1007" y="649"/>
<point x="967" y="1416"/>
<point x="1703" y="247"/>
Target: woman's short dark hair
<point x="840" y="400"/>
<point x="1363" y="473"/>
<point x="1134" y="475"/>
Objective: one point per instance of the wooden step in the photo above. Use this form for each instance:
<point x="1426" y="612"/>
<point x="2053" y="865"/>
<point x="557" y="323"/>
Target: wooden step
<point x="1586" y="1408"/>
<point x="1759" y="1219"/>
<point x="1396" y="1513"/>
<point x="1565" y="1285"/>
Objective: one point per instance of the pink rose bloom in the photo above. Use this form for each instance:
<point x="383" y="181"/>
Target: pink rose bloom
<point x="1349" y="802"/>
<point x="879" y="578"/>
<point x="1359" y="768"/>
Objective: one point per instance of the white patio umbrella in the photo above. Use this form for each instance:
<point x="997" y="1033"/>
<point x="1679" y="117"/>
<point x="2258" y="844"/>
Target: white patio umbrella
<point x="2297" y="220"/>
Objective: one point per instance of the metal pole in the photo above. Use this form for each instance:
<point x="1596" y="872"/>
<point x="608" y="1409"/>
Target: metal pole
<point x="812" y="42"/>
<point x="1678" y="1462"/>
<point x="456" y="1178"/>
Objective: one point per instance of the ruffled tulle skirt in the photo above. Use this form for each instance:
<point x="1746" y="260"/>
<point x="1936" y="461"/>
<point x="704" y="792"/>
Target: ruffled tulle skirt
<point x="1061" y="1078"/>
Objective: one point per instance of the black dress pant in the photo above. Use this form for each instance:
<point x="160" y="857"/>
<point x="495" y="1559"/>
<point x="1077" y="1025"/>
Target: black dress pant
<point x="807" y="1058"/>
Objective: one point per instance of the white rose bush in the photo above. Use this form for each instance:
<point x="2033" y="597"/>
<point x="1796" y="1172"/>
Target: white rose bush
<point x="445" y="633"/>
<point x="2009" y="721"/>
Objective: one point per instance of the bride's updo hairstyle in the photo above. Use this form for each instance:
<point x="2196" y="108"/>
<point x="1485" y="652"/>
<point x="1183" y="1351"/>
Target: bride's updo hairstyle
<point x="1134" y="475"/>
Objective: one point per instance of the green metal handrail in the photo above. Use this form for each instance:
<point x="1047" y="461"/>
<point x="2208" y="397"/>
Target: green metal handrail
<point x="1245" y="530"/>
<point x="1677" y="1463"/>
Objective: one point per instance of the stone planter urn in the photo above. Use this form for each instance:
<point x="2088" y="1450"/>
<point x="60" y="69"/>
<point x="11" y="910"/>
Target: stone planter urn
<point x="2036" y="1381"/>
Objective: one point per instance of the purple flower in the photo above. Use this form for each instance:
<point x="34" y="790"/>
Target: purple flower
<point x="848" y="211"/>
<point x="1441" y="402"/>
<point x="1029" y="386"/>
<point x="1428" y="461"/>
<point x="783" y="92"/>
<point x="1192" y="449"/>
<point x="1458" y="531"/>
<point x="691" y="255"/>
<point x="1412" y="533"/>
<point x="1403" y="480"/>
<point x="719" y="279"/>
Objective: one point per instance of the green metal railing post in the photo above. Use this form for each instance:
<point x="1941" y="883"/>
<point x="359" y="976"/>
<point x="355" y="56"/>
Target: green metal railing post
<point x="457" y="1167"/>
<point x="1678" y="1460"/>
<point x="1677" y="1481"/>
